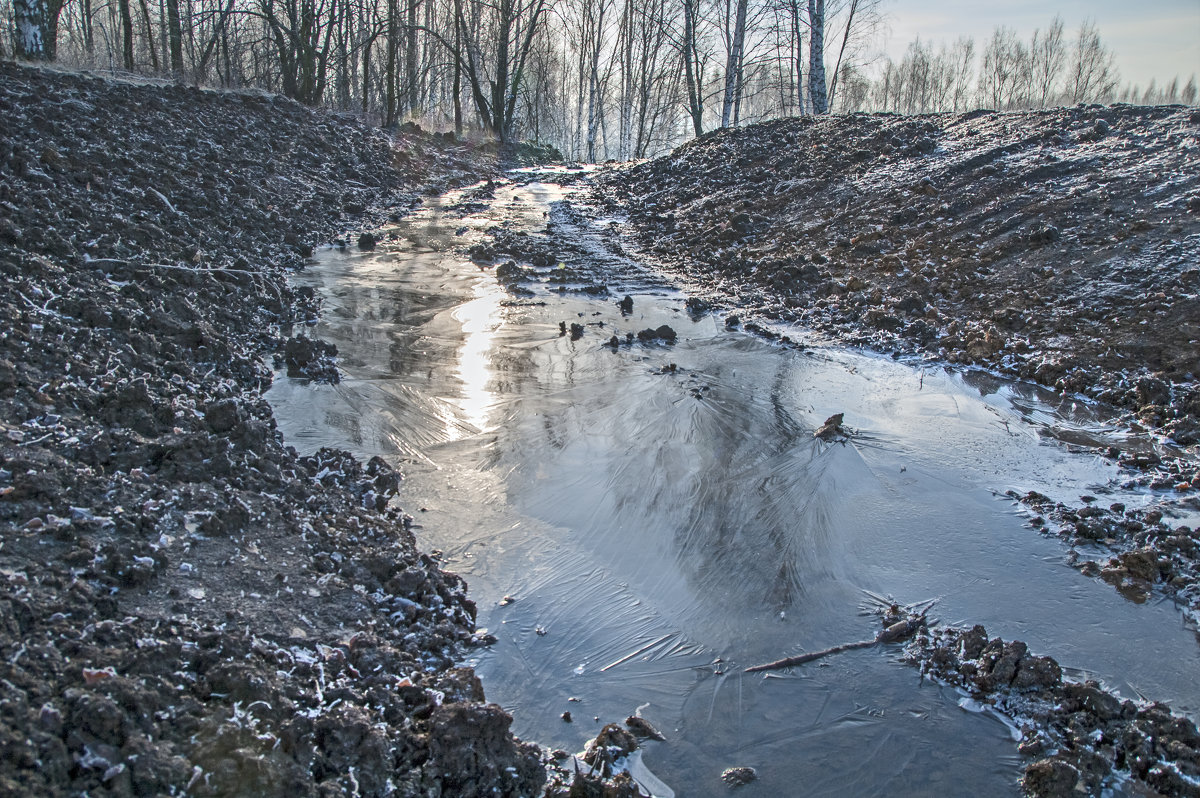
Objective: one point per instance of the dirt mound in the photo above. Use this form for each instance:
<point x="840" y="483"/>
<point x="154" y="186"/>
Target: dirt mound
<point x="188" y="604"/>
<point x="1058" y="245"/>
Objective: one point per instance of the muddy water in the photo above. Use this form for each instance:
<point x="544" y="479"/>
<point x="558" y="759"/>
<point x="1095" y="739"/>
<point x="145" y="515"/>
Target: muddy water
<point x="654" y="533"/>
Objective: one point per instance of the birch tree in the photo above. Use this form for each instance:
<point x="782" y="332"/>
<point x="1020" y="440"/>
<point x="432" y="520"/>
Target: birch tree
<point x="816" y="57"/>
<point x="733" y="62"/>
<point x="650" y="76"/>
<point x="36" y="29"/>
<point x="596" y="86"/>
<point x="842" y="50"/>
<point x="962" y="67"/>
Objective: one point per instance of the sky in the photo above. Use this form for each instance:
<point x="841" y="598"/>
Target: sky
<point x="1156" y="39"/>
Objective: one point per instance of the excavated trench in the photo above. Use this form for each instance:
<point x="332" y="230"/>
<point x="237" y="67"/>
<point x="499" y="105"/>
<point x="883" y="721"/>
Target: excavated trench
<point x="640" y="521"/>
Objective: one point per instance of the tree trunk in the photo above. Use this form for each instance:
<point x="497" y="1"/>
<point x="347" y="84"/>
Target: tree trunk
<point x="31" y="30"/>
<point x="389" y="102"/>
<point x="518" y="73"/>
<point x="837" y="67"/>
<point x="219" y="37"/>
<point x="432" y="76"/>
<point x="816" y="57"/>
<point x="733" y="65"/>
<point x="175" y="34"/>
<point x="500" y="83"/>
<point x="410" y="60"/>
<point x="798" y="33"/>
<point x="513" y="34"/>
<point x="694" y="88"/>
<point x="595" y="109"/>
<point x="149" y="34"/>
<point x="366" y="76"/>
<point x="456" y="89"/>
<point x="228" y="60"/>
<point x="126" y="32"/>
<point x="89" y="41"/>
<point x="737" y="95"/>
<point x="627" y="73"/>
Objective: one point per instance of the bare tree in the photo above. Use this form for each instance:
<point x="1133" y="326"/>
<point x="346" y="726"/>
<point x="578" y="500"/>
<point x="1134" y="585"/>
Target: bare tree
<point x="795" y="22"/>
<point x="597" y="78"/>
<point x="1092" y="76"/>
<point x="596" y="83"/>
<point x="174" y="36"/>
<point x="733" y="64"/>
<point x="1005" y="70"/>
<point x="1170" y="95"/>
<point x="862" y="18"/>
<point x="693" y="67"/>
<point x="650" y="75"/>
<point x="854" y="89"/>
<point x="962" y="67"/>
<point x="126" y="32"/>
<point x="495" y="82"/>
<point x="1047" y="58"/>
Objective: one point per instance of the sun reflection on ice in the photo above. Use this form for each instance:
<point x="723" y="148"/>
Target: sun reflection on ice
<point x="480" y="321"/>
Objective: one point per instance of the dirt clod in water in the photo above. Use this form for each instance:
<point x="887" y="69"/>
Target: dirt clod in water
<point x="738" y="777"/>
<point x="1091" y="738"/>
<point x="1145" y="554"/>
<point x="642" y="728"/>
<point x="831" y="429"/>
<point x="662" y="333"/>
<point x="612" y="743"/>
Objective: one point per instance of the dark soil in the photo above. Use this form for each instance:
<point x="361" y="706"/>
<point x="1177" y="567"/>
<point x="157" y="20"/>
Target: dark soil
<point x="189" y="605"/>
<point x="1060" y="246"/>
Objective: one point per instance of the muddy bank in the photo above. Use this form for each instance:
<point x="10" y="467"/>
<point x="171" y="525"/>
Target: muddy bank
<point x="1082" y="739"/>
<point x="1060" y="246"/>
<point x="188" y="604"/>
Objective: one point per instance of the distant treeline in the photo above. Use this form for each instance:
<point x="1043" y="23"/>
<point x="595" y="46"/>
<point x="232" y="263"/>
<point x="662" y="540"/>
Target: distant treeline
<point x="1051" y="69"/>
<point x="596" y="78"/>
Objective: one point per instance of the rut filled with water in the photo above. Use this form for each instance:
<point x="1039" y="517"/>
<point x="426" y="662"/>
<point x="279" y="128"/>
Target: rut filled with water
<point x="639" y="523"/>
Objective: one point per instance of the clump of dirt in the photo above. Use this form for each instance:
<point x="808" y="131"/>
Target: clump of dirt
<point x="1059" y="246"/>
<point x="1082" y="739"/>
<point x="1133" y="549"/>
<point x="188" y="604"/>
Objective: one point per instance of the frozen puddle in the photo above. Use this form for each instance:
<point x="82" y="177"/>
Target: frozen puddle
<point x="656" y="531"/>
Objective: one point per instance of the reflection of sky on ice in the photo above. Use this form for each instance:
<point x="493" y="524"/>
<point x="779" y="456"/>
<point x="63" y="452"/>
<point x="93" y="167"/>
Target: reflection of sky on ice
<point x="650" y="524"/>
<point x="479" y="319"/>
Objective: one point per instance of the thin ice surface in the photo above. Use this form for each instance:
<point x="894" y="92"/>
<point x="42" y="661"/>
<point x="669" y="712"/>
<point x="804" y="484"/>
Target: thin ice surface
<point x="647" y="522"/>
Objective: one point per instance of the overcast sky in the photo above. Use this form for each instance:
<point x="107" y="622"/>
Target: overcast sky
<point x="1151" y="38"/>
